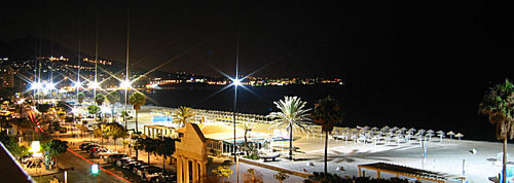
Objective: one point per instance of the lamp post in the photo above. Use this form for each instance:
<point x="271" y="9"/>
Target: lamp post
<point x="236" y="82"/>
<point x="125" y="85"/>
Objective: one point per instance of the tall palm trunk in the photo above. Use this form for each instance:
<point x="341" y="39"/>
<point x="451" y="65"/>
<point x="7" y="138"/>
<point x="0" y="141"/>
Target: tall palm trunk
<point x="137" y="112"/>
<point x="148" y="157"/>
<point x="504" y="170"/>
<point x="290" y="142"/>
<point x="326" y="149"/>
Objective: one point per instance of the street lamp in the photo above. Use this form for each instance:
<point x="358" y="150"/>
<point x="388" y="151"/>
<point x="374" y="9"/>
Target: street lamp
<point x="94" y="85"/>
<point x="236" y="82"/>
<point x="125" y="84"/>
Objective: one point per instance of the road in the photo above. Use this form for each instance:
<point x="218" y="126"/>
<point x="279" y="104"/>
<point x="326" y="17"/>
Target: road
<point x="82" y="170"/>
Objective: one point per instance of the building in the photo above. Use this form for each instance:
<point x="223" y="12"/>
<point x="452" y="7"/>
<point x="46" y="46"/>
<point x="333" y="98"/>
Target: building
<point x="7" y="76"/>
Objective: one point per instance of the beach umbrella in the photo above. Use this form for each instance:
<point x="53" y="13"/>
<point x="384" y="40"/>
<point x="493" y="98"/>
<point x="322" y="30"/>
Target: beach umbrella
<point x="403" y="129"/>
<point x="409" y="132"/>
<point x="451" y="134"/>
<point x="459" y="135"/>
<point x="441" y="135"/>
<point x="430" y="133"/>
<point x="439" y="132"/>
<point x="412" y="129"/>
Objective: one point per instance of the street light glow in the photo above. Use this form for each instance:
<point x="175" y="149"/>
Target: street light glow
<point x="50" y="86"/>
<point x="77" y="85"/>
<point x="93" y="85"/>
<point x="125" y="84"/>
<point x="37" y="85"/>
<point x="236" y="81"/>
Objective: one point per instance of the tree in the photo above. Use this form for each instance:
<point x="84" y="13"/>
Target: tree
<point x="292" y="115"/>
<point x="137" y="99"/>
<point x="83" y="129"/>
<point x="55" y="147"/>
<point x="139" y="144"/>
<point x="101" y="132"/>
<point x="116" y="131"/>
<point x="327" y="113"/>
<point x="99" y="99"/>
<point x="80" y="97"/>
<point x="498" y="104"/>
<point x="281" y="176"/>
<point x="165" y="147"/>
<point x="252" y="176"/>
<point x="113" y="97"/>
<point x="184" y="115"/>
<point x="150" y="145"/>
<point x="11" y="143"/>
<point x="93" y="109"/>
<point x="222" y="172"/>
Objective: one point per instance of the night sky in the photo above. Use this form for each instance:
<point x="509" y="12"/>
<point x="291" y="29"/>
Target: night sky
<point x="431" y="60"/>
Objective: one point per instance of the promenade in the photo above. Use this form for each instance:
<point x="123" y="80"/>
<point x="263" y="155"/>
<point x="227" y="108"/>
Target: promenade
<point x="451" y="158"/>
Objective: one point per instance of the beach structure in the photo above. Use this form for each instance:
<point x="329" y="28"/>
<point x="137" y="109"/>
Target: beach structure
<point x="160" y="130"/>
<point x="219" y="138"/>
<point x="404" y="171"/>
<point x="191" y="155"/>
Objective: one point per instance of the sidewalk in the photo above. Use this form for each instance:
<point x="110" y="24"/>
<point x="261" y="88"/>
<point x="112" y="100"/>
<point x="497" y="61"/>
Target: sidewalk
<point x="36" y="172"/>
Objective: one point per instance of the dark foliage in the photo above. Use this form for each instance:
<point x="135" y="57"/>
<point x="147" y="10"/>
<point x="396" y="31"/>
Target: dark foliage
<point x="332" y="178"/>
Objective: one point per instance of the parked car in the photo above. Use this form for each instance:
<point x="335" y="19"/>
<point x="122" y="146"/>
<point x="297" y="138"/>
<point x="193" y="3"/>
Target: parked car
<point x="96" y="148"/>
<point x="114" y="157"/>
<point x="125" y="160"/>
<point x="136" y="167"/>
<point x="90" y="146"/>
<point x="130" y="165"/>
<point x="84" y="145"/>
<point x="101" y="152"/>
<point x="150" y="172"/>
<point x="165" y="177"/>
<point x="140" y="170"/>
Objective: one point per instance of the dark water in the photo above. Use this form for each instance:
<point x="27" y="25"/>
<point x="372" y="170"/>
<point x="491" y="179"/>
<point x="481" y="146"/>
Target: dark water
<point x="361" y="107"/>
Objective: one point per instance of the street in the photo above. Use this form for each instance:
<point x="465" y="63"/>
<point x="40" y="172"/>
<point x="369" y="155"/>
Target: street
<point x="82" y="170"/>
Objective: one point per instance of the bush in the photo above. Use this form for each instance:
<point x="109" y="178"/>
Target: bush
<point x="332" y="178"/>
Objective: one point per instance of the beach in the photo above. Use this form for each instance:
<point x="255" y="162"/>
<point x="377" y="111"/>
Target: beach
<point x="451" y="158"/>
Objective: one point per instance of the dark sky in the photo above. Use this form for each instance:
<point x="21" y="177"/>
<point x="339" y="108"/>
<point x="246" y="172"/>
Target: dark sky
<point x="430" y="60"/>
<point x="294" y="38"/>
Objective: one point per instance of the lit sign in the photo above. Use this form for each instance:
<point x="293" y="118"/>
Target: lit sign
<point x="94" y="169"/>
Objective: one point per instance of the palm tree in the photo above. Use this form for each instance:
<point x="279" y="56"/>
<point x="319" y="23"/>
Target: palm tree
<point x="184" y="114"/>
<point x="292" y="115"/>
<point x="99" y="99"/>
<point x="80" y="97"/>
<point x="327" y="113"/>
<point x="137" y="99"/>
<point x="113" y="97"/>
<point x="498" y="104"/>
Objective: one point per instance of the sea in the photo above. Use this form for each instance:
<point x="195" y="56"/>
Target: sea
<point x="361" y="108"/>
